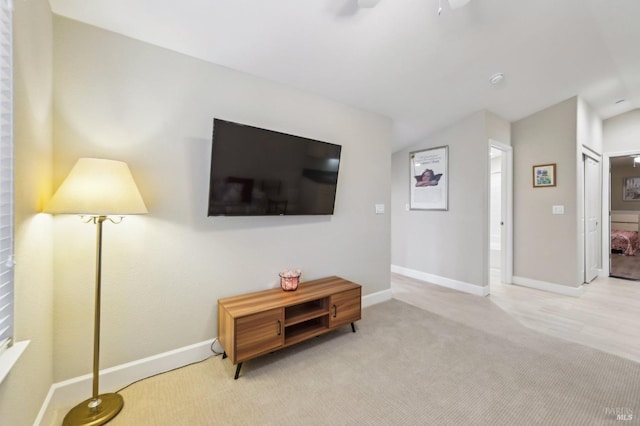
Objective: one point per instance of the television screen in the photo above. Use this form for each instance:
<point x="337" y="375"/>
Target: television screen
<point x="259" y="172"/>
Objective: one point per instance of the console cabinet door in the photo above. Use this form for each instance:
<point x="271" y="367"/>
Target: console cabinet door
<point x="344" y="307"/>
<point x="259" y="333"/>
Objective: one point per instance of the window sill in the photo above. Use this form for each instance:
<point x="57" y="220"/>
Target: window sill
<point x="10" y="357"/>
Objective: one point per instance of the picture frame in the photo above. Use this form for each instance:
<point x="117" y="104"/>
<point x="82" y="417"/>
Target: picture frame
<point x="631" y="189"/>
<point x="544" y="175"/>
<point x="429" y="179"/>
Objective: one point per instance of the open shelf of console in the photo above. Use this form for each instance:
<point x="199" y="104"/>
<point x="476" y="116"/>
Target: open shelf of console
<point x="306" y="311"/>
<point x="306" y="330"/>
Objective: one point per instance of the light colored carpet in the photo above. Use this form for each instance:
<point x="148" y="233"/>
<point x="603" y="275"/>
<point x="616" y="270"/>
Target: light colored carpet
<point x="403" y="366"/>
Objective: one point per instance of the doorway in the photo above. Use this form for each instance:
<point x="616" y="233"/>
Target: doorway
<point x="495" y="212"/>
<point x="624" y="213"/>
<point x="500" y="213"/>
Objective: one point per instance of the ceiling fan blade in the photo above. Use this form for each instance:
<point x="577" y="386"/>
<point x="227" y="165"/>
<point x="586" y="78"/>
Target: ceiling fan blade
<point x="368" y="3"/>
<point x="454" y="4"/>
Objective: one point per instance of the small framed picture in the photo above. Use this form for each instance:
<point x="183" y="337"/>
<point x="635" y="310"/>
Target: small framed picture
<point x="544" y="175"/>
<point x="631" y="189"/>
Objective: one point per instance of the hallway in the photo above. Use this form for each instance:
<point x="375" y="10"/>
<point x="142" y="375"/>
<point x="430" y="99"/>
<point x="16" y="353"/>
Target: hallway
<point x="605" y="317"/>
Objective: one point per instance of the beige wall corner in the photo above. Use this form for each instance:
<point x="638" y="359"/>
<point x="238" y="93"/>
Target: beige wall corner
<point x="431" y="241"/>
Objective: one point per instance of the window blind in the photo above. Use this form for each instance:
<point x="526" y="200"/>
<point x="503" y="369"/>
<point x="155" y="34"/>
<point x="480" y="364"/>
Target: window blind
<point x="6" y="175"/>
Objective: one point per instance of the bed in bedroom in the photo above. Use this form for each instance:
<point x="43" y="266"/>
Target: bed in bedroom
<point x="624" y="233"/>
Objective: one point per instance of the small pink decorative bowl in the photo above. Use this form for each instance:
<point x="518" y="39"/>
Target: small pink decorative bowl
<point x="289" y="280"/>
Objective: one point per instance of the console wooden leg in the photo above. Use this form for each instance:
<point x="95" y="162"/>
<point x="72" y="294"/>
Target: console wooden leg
<point x="353" y="327"/>
<point x="224" y="355"/>
<point x="237" y="371"/>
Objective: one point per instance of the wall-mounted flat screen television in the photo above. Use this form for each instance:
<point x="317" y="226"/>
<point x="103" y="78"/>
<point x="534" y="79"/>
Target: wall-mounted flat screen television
<point x="259" y="172"/>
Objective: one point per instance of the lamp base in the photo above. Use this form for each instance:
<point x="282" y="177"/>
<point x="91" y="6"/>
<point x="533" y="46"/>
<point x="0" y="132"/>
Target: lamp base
<point x="84" y="414"/>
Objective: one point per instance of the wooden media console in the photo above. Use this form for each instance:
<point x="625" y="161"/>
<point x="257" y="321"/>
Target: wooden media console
<point x="257" y="323"/>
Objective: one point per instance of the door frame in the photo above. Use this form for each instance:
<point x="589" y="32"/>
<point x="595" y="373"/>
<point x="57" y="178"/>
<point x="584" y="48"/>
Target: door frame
<point x="606" y="206"/>
<point x="506" y="235"/>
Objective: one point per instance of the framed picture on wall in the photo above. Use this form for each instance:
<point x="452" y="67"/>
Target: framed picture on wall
<point x="544" y="175"/>
<point x="631" y="189"/>
<point x="429" y="180"/>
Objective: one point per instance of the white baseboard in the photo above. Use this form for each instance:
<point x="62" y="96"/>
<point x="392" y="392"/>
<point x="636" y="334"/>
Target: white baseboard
<point x="441" y="281"/>
<point x="547" y="286"/>
<point x="375" y="298"/>
<point x="70" y="392"/>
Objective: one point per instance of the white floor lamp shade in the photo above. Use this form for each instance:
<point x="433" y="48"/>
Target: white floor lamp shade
<point x="98" y="187"/>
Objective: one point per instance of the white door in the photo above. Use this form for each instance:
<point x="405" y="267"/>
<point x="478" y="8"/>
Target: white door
<point x="501" y="213"/>
<point x="592" y="222"/>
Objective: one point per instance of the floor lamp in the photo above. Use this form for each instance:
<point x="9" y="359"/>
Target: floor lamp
<point x="97" y="189"/>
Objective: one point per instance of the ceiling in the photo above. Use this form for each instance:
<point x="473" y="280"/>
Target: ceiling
<point x="400" y="59"/>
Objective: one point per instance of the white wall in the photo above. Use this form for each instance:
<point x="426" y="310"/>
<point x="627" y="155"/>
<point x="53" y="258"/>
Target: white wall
<point x="498" y="129"/>
<point x="163" y="273"/>
<point x="589" y="127"/>
<point x="450" y="246"/>
<point x="621" y="134"/>
<point x="26" y="386"/>
<point x="545" y="244"/>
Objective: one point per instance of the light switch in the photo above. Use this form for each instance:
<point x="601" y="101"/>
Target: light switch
<point x="557" y="209"/>
<point x="379" y="208"/>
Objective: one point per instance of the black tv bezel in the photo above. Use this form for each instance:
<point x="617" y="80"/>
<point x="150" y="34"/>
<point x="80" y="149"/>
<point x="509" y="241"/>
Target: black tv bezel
<point x="305" y="172"/>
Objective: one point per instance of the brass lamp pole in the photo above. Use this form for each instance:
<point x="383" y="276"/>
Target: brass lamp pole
<point x="97" y="188"/>
<point x="98" y="409"/>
